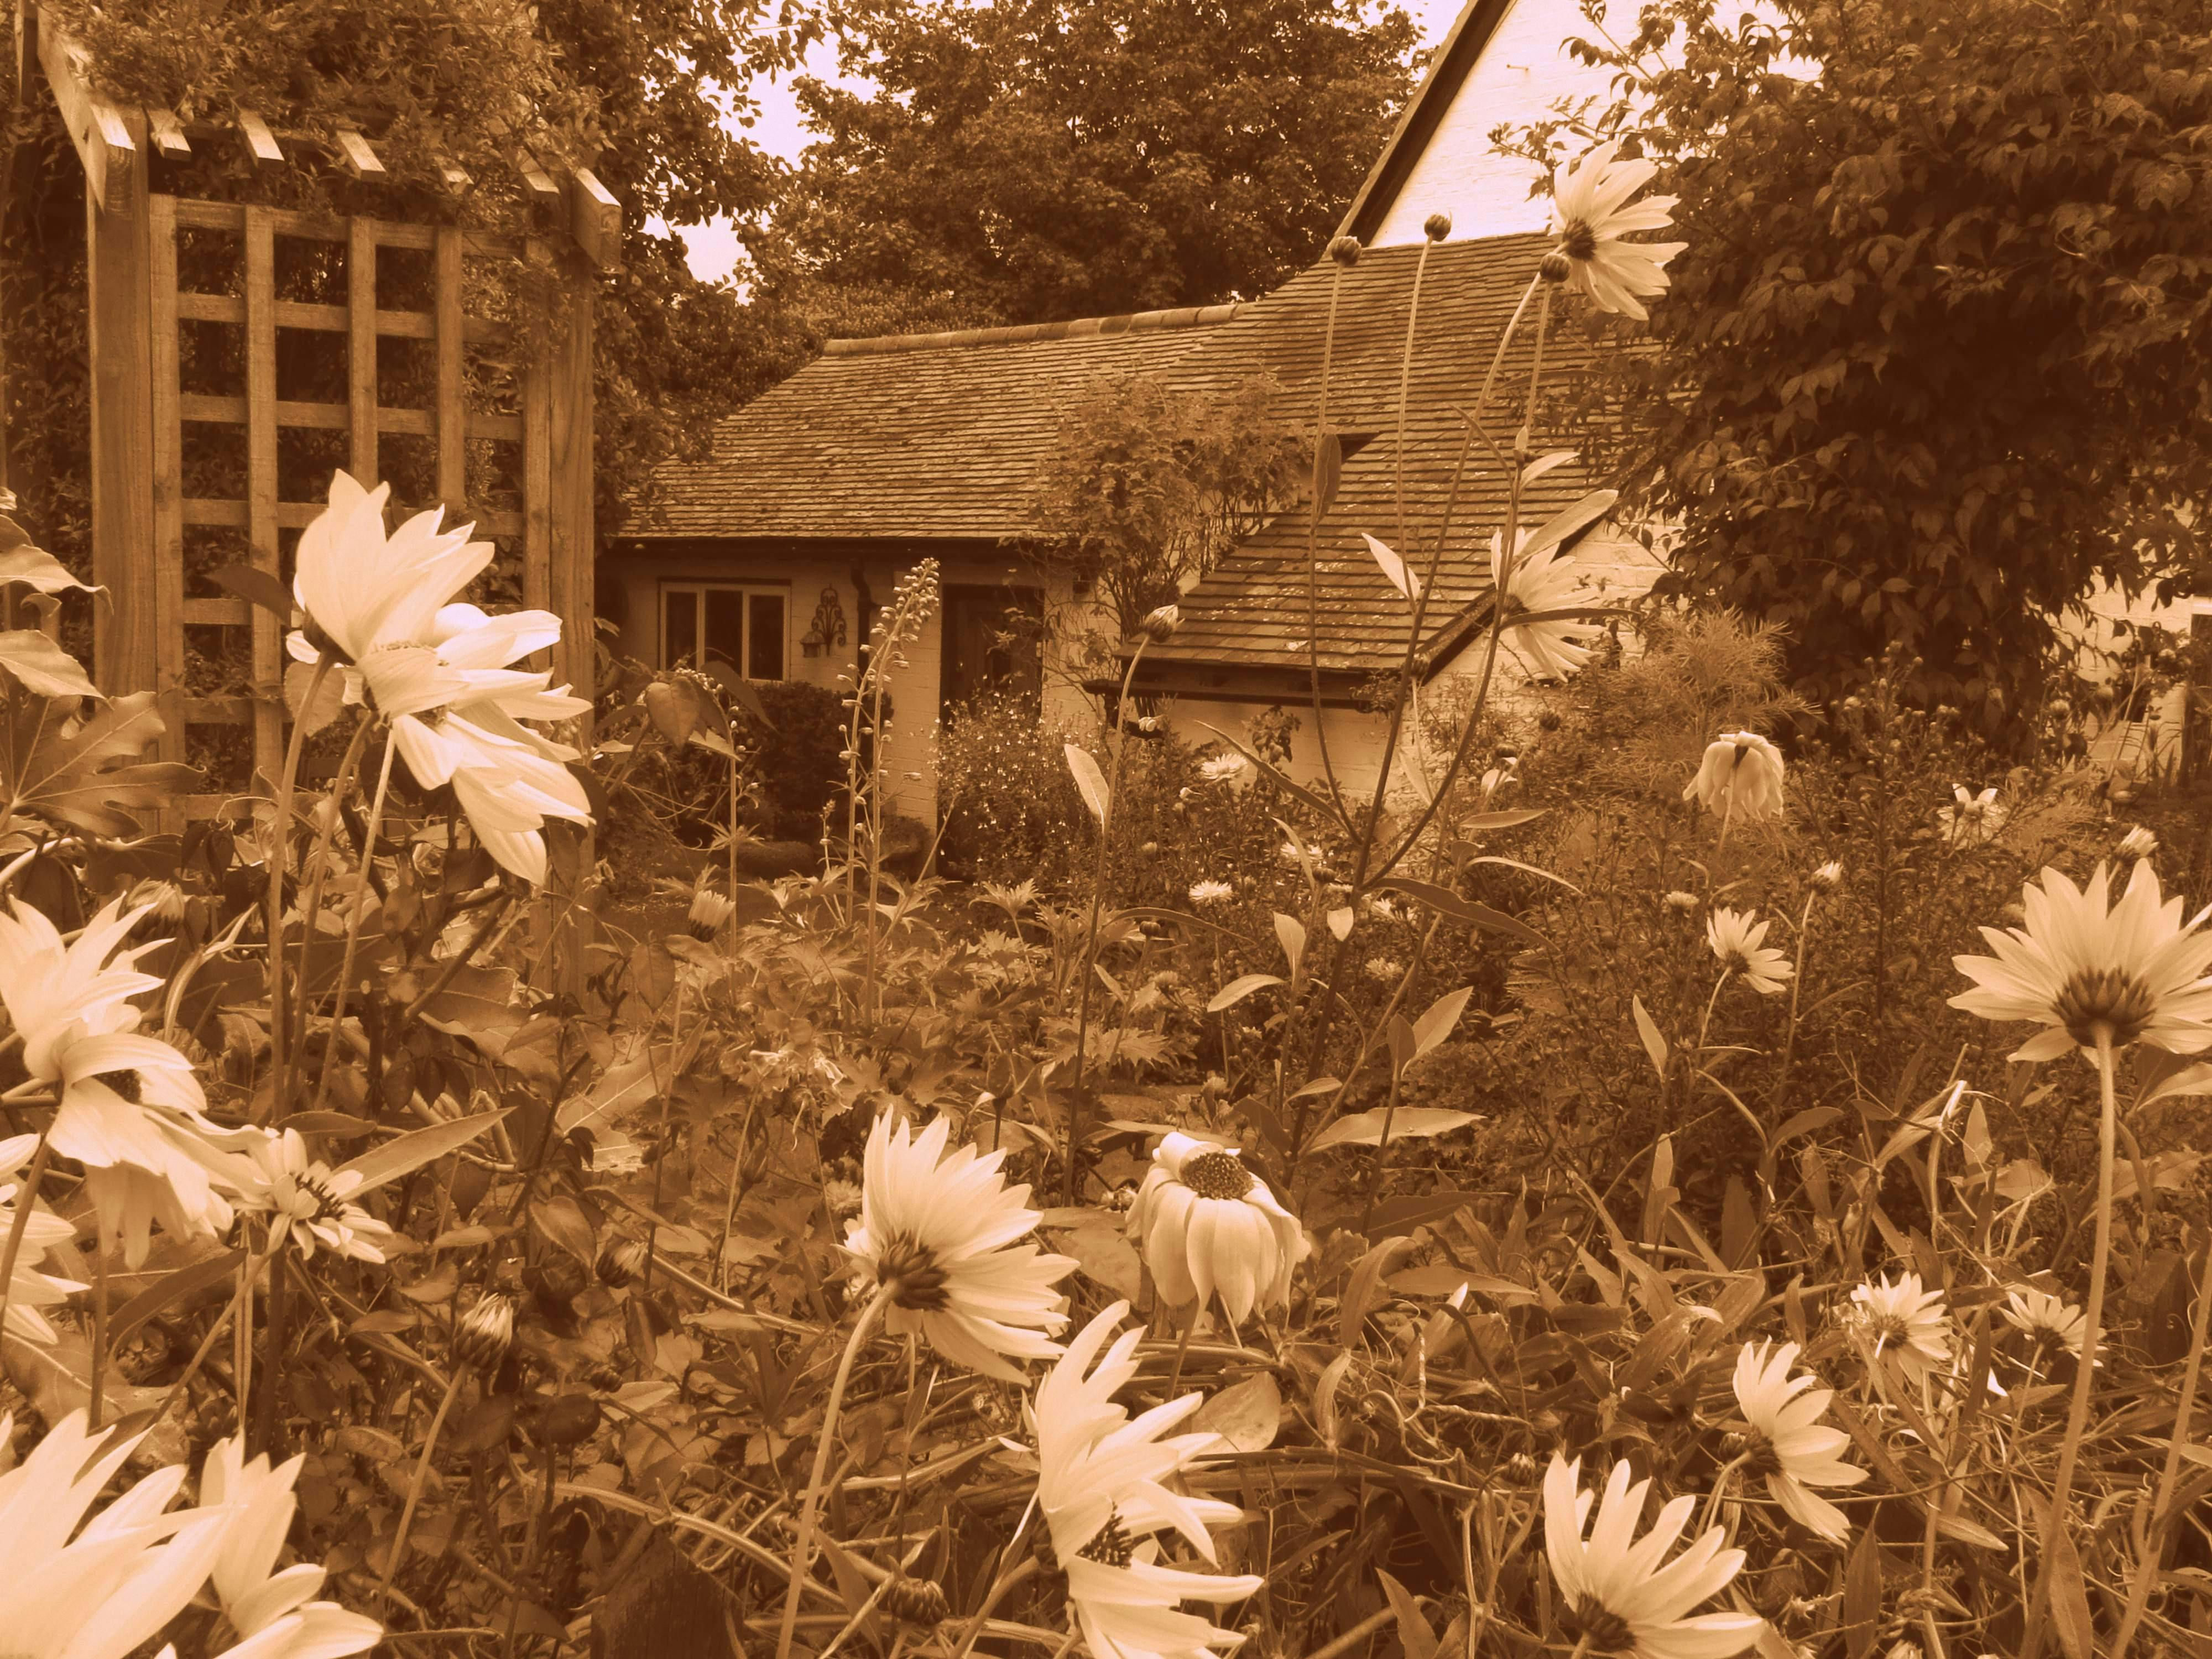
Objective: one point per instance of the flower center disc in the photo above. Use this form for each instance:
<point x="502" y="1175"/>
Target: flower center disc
<point x="1217" y="1175"/>
<point x="910" y="1269"/>
<point x="1604" y="1630"/>
<point x="1113" y="1546"/>
<point x="2109" y="997"/>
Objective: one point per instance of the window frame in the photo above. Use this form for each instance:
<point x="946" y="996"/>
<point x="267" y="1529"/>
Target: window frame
<point x="698" y="588"/>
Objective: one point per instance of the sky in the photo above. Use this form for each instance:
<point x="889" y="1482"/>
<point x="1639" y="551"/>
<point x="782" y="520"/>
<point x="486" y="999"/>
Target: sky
<point x="712" y="249"/>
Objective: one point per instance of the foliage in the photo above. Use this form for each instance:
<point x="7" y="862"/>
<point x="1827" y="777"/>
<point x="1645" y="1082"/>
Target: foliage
<point x="1149" y="487"/>
<point x="638" y="92"/>
<point x="1031" y="159"/>
<point x="1930" y="364"/>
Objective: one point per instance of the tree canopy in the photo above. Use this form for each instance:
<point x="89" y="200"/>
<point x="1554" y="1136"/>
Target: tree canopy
<point x="1933" y="363"/>
<point x="1025" y="160"/>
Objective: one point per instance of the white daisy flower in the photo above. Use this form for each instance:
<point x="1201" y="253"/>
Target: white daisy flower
<point x="1740" y="776"/>
<point x="98" y="1590"/>
<point x="2138" y="843"/>
<point x="270" y="1610"/>
<point x="1222" y="768"/>
<point x="1616" y="1598"/>
<point x="1541" y="582"/>
<point x="1737" y="941"/>
<point x="1211" y="892"/>
<point x="438" y="671"/>
<point x="1971" y="820"/>
<point x="2046" y="1319"/>
<point x="1908" y="1324"/>
<point x="1208" y="1226"/>
<point x="2135" y="974"/>
<point x="1591" y="212"/>
<point x="308" y="1203"/>
<point x="1104" y="1486"/>
<point x="129" y="1106"/>
<point x="1785" y="1443"/>
<point x="940" y="1228"/>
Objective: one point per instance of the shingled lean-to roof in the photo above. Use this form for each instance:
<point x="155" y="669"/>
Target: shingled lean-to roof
<point x="921" y="437"/>
<point x="916" y="436"/>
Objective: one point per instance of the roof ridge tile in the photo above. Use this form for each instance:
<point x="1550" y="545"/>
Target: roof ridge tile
<point x="1076" y="328"/>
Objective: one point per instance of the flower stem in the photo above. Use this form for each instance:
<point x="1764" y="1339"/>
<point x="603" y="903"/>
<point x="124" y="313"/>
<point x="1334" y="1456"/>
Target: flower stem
<point x="25" y="1195"/>
<point x="2078" y="1414"/>
<point x="99" y="1392"/>
<point x="353" y="926"/>
<point x="309" y="908"/>
<point x="281" y="833"/>
<point x="2153" y="1538"/>
<point x="414" y="1485"/>
<point x="803" y="1551"/>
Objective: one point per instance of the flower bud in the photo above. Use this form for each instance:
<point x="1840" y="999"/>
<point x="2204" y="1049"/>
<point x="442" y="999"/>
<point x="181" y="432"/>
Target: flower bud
<point x="1556" y="266"/>
<point x="485" y="1333"/>
<point x="1678" y="900"/>
<point x="621" y="1262"/>
<point x="709" y="910"/>
<point x="1521" y="1469"/>
<point x="2138" y="843"/>
<point x="916" y="1601"/>
<point x="1160" y="625"/>
<point x="1345" y="250"/>
<point x="1829" y="876"/>
<point x="1437" y="227"/>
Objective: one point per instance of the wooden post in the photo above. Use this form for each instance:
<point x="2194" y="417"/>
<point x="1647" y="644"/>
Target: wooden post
<point x="166" y="591"/>
<point x="117" y="261"/>
<point x="261" y="483"/>
<point x="361" y="352"/>
<point x="538" y="462"/>
<point x="452" y="409"/>
<point x="573" y="547"/>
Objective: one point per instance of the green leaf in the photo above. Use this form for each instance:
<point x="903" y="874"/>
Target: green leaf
<point x="1433" y="1027"/>
<point x="1393" y="570"/>
<point x="404" y="1154"/>
<point x="1406" y="1123"/>
<point x="256" y="587"/>
<point x="1292" y="935"/>
<point x="1414" y="1633"/>
<point x="1097" y="794"/>
<point x="42" y="666"/>
<point x="69" y="778"/>
<point x="1328" y="469"/>
<point x="1654" y="1044"/>
<point x="1238" y="989"/>
<point x="22" y="564"/>
<point x="1446" y="903"/>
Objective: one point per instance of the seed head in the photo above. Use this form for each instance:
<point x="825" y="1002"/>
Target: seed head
<point x="1437" y="227"/>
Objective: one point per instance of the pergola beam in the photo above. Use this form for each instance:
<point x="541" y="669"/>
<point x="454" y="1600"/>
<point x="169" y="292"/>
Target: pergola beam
<point x="95" y="126"/>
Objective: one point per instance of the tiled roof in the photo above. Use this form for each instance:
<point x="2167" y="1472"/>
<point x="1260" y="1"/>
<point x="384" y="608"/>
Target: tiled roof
<point x="941" y="436"/>
<point x="1254" y="610"/>
<point x="913" y="437"/>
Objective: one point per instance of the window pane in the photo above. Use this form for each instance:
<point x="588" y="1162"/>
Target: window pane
<point x="725" y="626"/>
<point x="679" y="627"/>
<point x="767" y="637"/>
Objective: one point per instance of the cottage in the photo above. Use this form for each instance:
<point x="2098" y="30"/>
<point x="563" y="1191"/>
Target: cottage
<point x="774" y="552"/>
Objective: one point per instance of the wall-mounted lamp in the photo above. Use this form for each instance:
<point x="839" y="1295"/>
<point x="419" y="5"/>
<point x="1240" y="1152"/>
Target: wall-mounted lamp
<point x="828" y="628"/>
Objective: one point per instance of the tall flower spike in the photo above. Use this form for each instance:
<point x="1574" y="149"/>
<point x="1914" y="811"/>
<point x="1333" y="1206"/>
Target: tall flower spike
<point x="439" y="670"/>
<point x="940" y="1228"/>
<point x="1104" y="1486"/>
<point x="1615" y="1595"/>
<point x="1590" y="214"/>
<point x="1209" y="1227"/>
<point x="1786" y="1444"/>
<point x="2132" y="974"/>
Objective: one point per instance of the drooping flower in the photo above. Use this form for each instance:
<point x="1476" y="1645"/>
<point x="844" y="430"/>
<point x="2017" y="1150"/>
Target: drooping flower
<point x="1208" y="1226"/>
<point x="1541" y="581"/>
<point x="29" y="1289"/>
<point x="1786" y="1444"/>
<point x="1103" y="1489"/>
<point x="1211" y="892"/>
<point x="2046" y="1320"/>
<point x="99" y="1591"/>
<point x="1740" y="776"/>
<point x="1591" y="212"/>
<point x="2138" y="843"/>
<point x="439" y="671"/>
<point x="129" y="1106"/>
<point x="2134" y="975"/>
<point x="308" y="1203"/>
<point x="1908" y="1324"/>
<point x="1738" y="941"/>
<point x="1971" y="820"/>
<point x="271" y="1612"/>
<point x="1614" y="1593"/>
<point x="940" y="1228"/>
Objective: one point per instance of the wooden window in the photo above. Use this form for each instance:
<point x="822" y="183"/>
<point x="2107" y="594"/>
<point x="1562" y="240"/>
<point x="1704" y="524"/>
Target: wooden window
<point x="744" y="626"/>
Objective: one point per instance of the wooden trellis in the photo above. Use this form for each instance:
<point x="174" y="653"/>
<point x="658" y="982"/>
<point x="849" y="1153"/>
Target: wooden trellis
<point x="141" y="409"/>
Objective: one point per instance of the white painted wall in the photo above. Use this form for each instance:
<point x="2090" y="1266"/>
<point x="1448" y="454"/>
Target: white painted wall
<point x="1520" y="75"/>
